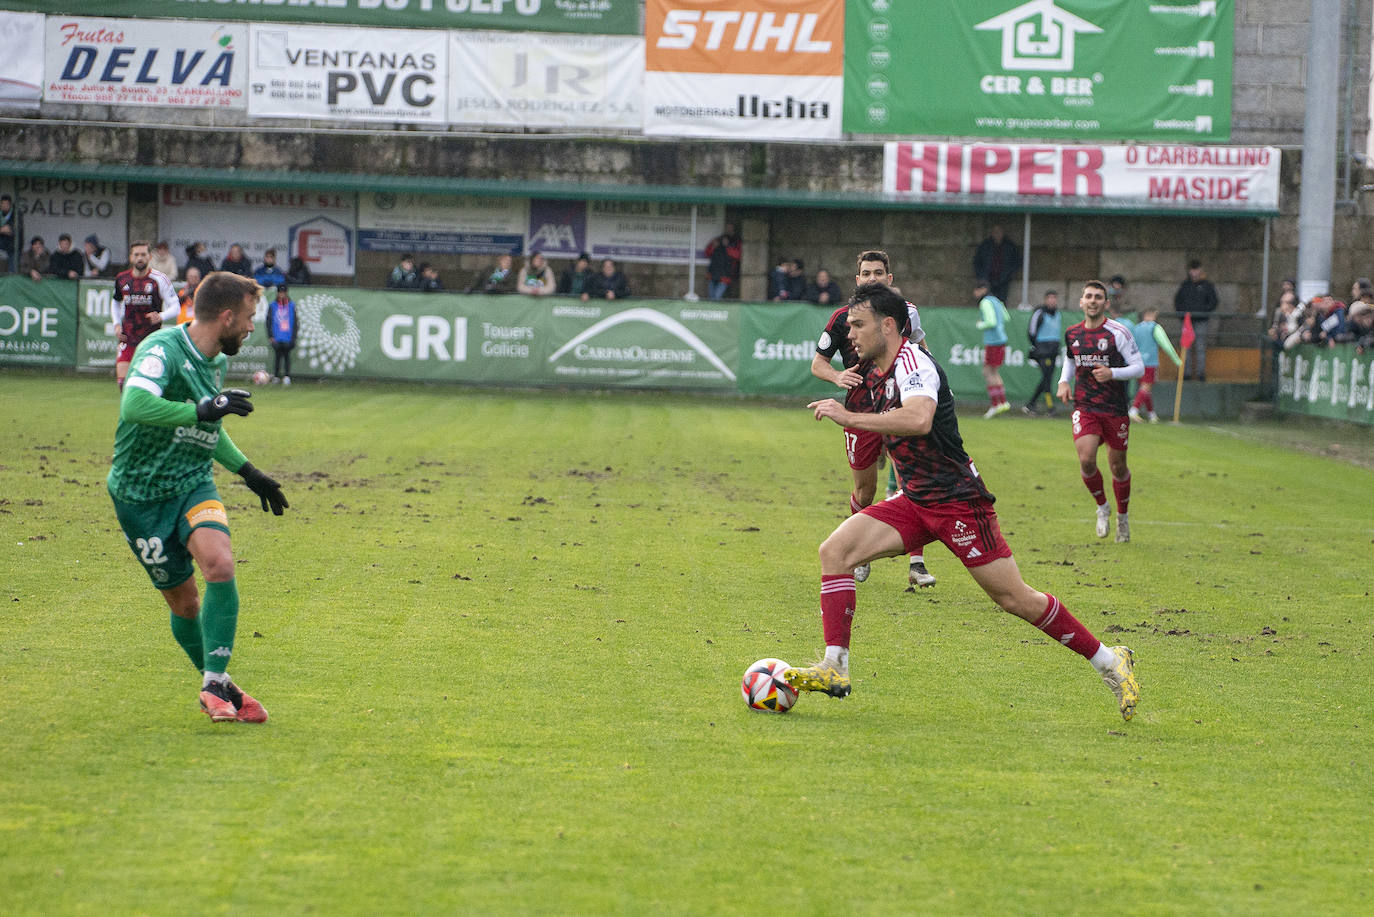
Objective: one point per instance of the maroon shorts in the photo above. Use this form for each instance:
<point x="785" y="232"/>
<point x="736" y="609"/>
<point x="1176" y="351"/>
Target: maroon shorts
<point x="994" y="355"/>
<point x="1114" y="429"/>
<point x="1149" y="376"/>
<point x="968" y="529"/>
<point x="863" y="448"/>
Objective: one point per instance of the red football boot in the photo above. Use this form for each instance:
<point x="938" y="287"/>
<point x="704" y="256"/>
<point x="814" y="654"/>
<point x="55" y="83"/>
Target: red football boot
<point x="214" y="700"/>
<point x="250" y="711"/>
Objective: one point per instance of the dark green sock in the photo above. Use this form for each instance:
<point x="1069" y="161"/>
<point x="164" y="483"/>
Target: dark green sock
<point x="219" y="617"/>
<point x="187" y="632"/>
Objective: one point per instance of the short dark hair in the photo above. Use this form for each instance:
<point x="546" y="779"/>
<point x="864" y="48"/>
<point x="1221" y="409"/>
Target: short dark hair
<point x="1117" y="278"/>
<point x="65" y="235"/>
<point x="137" y="242"/>
<point x="1366" y="288"/>
<point x="223" y="290"/>
<point x="1194" y="264"/>
<point x="980" y="283"/>
<point x="1096" y="284"/>
<point x="880" y="298"/>
<point x="874" y="254"/>
<point x="6" y="197"/>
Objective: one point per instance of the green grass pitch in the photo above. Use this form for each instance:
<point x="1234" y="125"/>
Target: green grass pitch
<point x="501" y="634"/>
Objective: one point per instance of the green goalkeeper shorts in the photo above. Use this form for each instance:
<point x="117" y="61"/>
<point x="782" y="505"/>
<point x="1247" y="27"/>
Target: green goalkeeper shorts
<point x="159" y="532"/>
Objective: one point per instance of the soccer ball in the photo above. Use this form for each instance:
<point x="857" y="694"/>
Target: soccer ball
<point x="764" y="688"/>
<point x="261" y="377"/>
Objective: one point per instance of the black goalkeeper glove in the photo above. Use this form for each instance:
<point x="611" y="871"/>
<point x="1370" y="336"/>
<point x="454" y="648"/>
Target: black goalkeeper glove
<point x="267" y="489"/>
<point x="229" y="401"/>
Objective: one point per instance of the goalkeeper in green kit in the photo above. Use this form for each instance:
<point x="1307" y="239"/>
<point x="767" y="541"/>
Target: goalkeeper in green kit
<point x="163" y="486"/>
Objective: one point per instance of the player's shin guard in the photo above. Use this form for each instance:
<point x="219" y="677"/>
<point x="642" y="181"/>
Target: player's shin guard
<point x="1095" y="487"/>
<point x="187" y="633"/>
<point x="1059" y="624"/>
<point x="837" y="608"/>
<point x="1122" y="491"/>
<point x="219" y="618"/>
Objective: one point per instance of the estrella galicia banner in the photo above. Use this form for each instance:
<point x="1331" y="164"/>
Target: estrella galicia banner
<point x="37" y="321"/>
<point x="1086" y="70"/>
<point x="601" y="17"/>
<point x="1334" y="382"/>
<point x="139" y="62"/>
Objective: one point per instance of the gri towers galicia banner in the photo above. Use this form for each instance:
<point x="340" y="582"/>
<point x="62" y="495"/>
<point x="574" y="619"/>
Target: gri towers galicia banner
<point x="1092" y="70"/>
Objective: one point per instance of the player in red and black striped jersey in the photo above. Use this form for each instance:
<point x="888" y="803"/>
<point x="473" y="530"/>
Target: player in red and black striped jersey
<point x="943" y="499"/>
<point x="143" y="300"/>
<point x="862" y="448"/>
<point x="1100" y="355"/>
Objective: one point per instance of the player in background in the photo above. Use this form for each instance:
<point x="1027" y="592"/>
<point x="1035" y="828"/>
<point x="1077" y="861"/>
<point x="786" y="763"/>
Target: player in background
<point x="162" y="482"/>
<point x="1150" y="339"/>
<point x="143" y="300"/>
<point x="992" y="321"/>
<point x="862" y="448"/>
<point x="1100" y="355"/>
<point x="943" y="499"/>
<point x="1044" y="331"/>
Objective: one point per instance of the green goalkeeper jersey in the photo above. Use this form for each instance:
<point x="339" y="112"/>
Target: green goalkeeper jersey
<point x="161" y="450"/>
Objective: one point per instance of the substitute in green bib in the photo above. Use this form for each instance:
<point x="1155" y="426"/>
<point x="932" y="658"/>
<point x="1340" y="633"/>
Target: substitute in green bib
<point x="162" y="481"/>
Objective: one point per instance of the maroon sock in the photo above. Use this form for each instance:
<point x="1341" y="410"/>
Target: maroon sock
<point x="1068" y="630"/>
<point x="837" y="608"/>
<point x="1122" y="490"/>
<point x="1138" y="401"/>
<point x="1148" y="402"/>
<point x="1094" y="485"/>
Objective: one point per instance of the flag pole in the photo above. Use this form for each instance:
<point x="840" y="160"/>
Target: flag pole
<point x="1186" y="341"/>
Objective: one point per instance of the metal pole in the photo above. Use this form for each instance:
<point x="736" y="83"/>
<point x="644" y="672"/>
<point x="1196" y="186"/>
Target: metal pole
<point x="1025" y="262"/>
<point x="692" y="262"/>
<point x="1264" y="271"/>
<point x="1316" y="211"/>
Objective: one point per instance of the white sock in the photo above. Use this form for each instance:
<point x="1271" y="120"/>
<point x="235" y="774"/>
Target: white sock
<point x="918" y="558"/>
<point x="1104" y="659"/>
<point x="221" y="678"/>
<point x="1104" y="510"/>
<point x="1123" y="517"/>
<point x="838" y="656"/>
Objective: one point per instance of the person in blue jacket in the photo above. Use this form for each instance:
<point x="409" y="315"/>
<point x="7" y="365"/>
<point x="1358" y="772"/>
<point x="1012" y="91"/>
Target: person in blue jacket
<point x="281" y="331"/>
<point x="1045" y="330"/>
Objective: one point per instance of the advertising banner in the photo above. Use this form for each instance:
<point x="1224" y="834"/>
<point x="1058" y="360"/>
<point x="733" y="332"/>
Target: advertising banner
<point x="650" y="231"/>
<point x="37" y="321"/>
<point x="584" y="82"/>
<point x="558" y="228"/>
<point x="1076" y="69"/>
<point x="762" y="69"/>
<point x="427" y="224"/>
<point x="1210" y="178"/>
<point x="142" y="62"/>
<point x="393" y="75"/>
<point x="78" y="207"/>
<point x="603" y="17"/>
<point x="317" y="226"/>
<point x="21" y="67"/>
<point x="1334" y="382"/>
<point x="96" y="345"/>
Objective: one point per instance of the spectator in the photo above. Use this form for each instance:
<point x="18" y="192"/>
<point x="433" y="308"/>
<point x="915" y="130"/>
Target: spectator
<point x="777" y="278"/>
<point x="824" y="291"/>
<point x="403" y="275"/>
<point x="1045" y="331"/>
<point x="281" y="329"/>
<point x="499" y="278"/>
<point x="609" y="284"/>
<point x="236" y="262"/>
<point x="1289" y="286"/>
<point x="429" y="279"/>
<point x="574" y="279"/>
<point x="164" y="260"/>
<point x="1361" y="326"/>
<point x="1361" y="290"/>
<point x="792" y="284"/>
<point x="1197" y="297"/>
<point x="1323" y="319"/>
<point x="196" y="257"/>
<point x="269" y="273"/>
<point x="722" y="262"/>
<point x="9" y="231"/>
<point x="997" y="259"/>
<point x="1333" y="322"/>
<point x="187" y="295"/>
<point x="1287" y="320"/>
<point x="66" y="262"/>
<point x="34" y="261"/>
<point x="95" y="256"/>
<point x="297" y="273"/>
<point x="1118" y="303"/>
<point x="537" y="277"/>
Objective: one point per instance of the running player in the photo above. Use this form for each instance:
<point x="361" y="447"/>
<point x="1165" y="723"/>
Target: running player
<point x="162" y="481"/>
<point x="1100" y="355"/>
<point x="143" y="300"/>
<point x="992" y="321"/>
<point x="1150" y="338"/>
<point x="943" y="499"/>
<point x="863" y="448"/>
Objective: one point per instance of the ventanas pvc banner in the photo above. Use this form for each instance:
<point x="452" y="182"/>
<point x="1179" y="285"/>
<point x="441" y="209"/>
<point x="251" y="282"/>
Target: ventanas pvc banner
<point x="1141" y="70"/>
<point x="602" y="17"/>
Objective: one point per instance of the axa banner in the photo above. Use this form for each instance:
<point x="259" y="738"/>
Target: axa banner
<point x="315" y="226"/>
<point x="392" y="75"/>
<point x="650" y="230"/>
<point x="78" y="207"/>
<point x="37" y="321"/>
<point x="558" y="228"/>
<point x="506" y="79"/>
<point x="21" y="67"/>
<point x="765" y="69"/>
<point x="604" y="17"/>
<point x="1173" y="176"/>
<point x="441" y="224"/>
<point x="144" y="62"/>
<point x="1079" y="69"/>
<point x="1334" y="382"/>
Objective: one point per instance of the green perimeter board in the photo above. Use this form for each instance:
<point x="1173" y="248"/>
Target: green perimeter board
<point x="1085" y="70"/>
<point x="600" y="17"/>
<point x="1335" y="382"/>
<point x="37" y="321"/>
